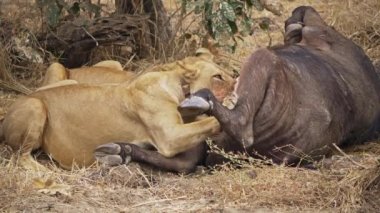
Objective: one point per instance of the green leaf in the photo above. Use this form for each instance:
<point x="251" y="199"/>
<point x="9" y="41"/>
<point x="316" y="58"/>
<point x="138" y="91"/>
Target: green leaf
<point x="209" y="28"/>
<point x="249" y="3"/>
<point x="257" y="4"/>
<point x="238" y="7"/>
<point x="234" y="46"/>
<point x="183" y="6"/>
<point x="208" y="10"/>
<point x="224" y="28"/>
<point x="233" y="26"/>
<point x="53" y="12"/>
<point x="198" y="9"/>
<point x="246" y="26"/>
<point x="74" y="9"/>
<point x="264" y="24"/>
<point x="62" y="3"/>
<point x="223" y="19"/>
<point x="227" y="11"/>
<point x="42" y="3"/>
<point x="90" y="7"/>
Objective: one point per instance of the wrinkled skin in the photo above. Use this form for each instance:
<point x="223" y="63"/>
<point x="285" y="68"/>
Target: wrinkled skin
<point x="318" y="89"/>
<point x="69" y="122"/>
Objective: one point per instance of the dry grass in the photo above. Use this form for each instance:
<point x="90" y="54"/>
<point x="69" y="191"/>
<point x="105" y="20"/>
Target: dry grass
<point x="360" y="21"/>
<point x="7" y="79"/>
<point x="338" y="185"/>
<point x="343" y="183"/>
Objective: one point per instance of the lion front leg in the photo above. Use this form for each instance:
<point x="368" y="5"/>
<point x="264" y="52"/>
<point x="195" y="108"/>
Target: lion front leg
<point x="23" y="129"/>
<point x="176" y="138"/>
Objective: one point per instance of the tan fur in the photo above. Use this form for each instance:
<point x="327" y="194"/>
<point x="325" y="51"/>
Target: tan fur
<point x="69" y="122"/>
<point x="102" y="72"/>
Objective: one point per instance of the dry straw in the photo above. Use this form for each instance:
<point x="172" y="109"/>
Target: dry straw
<point x="6" y="78"/>
<point x="360" y="21"/>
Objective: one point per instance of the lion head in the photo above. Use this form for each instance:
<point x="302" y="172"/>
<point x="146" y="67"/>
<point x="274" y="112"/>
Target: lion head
<point x="201" y="72"/>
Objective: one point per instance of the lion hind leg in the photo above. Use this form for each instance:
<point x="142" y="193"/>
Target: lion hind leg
<point x="23" y="130"/>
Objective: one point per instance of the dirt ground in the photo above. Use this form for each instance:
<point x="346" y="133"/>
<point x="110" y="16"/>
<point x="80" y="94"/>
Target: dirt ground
<point x="349" y="181"/>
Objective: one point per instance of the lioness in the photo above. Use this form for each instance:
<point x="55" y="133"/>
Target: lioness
<point x="108" y="71"/>
<point x="103" y="72"/>
<point x="69" y="122"/>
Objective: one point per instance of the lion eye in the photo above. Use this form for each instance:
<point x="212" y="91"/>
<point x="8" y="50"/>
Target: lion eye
<point x="218" y="76"/>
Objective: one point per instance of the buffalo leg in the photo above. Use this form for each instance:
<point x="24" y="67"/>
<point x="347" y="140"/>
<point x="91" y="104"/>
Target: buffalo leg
<point x="122" y="153"/>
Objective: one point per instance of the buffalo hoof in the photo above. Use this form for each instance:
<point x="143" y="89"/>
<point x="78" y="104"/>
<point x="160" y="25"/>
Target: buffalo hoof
<point x="194" y="106"/>
<point x="113" y="154"/>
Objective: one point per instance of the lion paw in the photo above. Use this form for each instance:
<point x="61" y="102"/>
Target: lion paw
<point x="29" y="163"/>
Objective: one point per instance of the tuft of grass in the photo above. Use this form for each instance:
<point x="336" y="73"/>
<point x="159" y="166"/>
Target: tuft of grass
<point x="360" y="21"/>
<point x="7" y="79"/>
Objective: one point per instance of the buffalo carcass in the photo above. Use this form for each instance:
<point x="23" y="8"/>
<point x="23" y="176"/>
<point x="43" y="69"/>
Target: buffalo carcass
<point x="298" y="99"/>
<point x="293" y="100"/>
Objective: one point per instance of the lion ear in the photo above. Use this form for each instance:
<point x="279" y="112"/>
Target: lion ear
<point x="204" y="53"/>
<point x="189" y="74"/>
<point x="167" y="67"/>
<point x="109" y="64"/>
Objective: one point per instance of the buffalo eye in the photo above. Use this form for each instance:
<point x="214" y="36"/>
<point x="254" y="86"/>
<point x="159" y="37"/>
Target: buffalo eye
<point x="218" y="77"/>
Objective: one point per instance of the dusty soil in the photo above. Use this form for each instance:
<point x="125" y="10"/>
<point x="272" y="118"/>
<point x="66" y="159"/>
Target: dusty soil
<point x="349" y="181"/>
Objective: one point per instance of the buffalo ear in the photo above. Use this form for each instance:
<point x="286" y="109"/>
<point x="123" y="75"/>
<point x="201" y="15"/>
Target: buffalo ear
<point x="204" y="53"/>
<point x="189" y="73"/>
